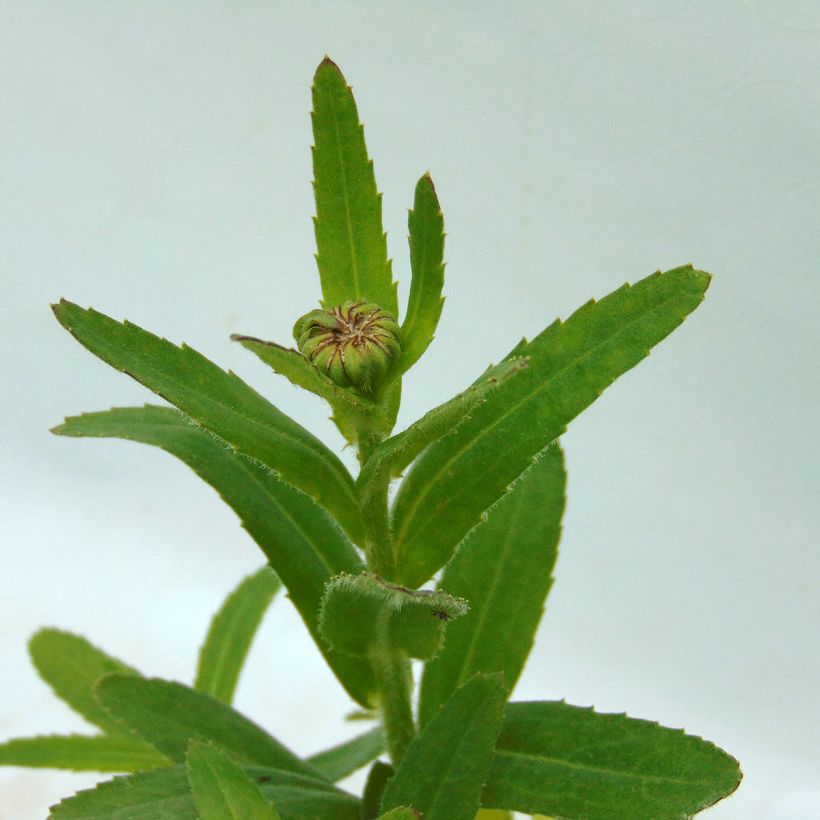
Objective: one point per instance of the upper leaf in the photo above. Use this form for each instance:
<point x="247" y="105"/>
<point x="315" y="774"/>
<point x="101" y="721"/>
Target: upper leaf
<point x="82" y="753"/>
<point x="169" y="715"/>
<point x="222" y="403"/>
<point x="221" y="789"/>
<point x="426" y="225"/>
<point x="300" y="540"/>
<point x="350" y="241"/>
<point x="503" y="568"/>
<point x="360" y="612"/>
<point x="340" y="761"/>
<point x="165" y="793"/>
<point x="562" y="760"/>
<point x="459" y="477"/>
<point x="445" y="767"/>
<point x="71" y="666"/>
<point x="231" y="632"/>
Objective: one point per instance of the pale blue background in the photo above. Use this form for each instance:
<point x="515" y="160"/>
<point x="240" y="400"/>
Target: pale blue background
<point x="154" y="162"/>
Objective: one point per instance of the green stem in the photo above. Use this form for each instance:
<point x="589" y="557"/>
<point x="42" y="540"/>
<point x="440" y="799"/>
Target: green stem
<point x="395" y="681"/>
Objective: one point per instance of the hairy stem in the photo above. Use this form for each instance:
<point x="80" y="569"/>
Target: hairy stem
<point x="395" y="680"/>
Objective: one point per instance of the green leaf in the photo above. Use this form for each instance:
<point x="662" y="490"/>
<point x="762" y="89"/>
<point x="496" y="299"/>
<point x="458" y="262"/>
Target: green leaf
<point x="81" y="753"/>
<point x="300" y="540"/>
<point x="391" y="457"/>
<point x="358" y="611"/>
<point x="374" y="788"/>
<point x="71" y="666"/>
<point x="231" y="633"/>
<point x="350" y="240"/>
<point x="342" y="760"/>
<point x="426" y="225"/>
<point x="461" y="476"/>
<point x="223" y="404"/>
<point x="401" y="813"/>
<point x="221" y="789"/>
<point x="164" y="794"/>
<point x="168" y="715"/>
<point x="503" y="568"/>
<point x="557" y="759"/>
<point x="493" y="814"/>
<point x="444" y="768"/>
<point x="348" y="405"/>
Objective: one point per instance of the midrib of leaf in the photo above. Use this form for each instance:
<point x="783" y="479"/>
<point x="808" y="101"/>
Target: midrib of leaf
<point x="421" y="496"/>
<point x="653" y="778"/>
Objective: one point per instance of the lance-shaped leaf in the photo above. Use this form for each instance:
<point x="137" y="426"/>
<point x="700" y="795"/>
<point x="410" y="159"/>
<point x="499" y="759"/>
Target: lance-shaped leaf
<point x="300" y="540"/>
<point x="374" y="788"/>
<point x="360" y="612"/>
<point x="169" y="715"/>
<point x="392" y="456"/>
<point x="231" y="632"/>
<point x="401" y="813"/>
<point x="424" y="305"/>
<point x="342" y="760"/>
<point x="562" y="760"/>
<point x="223" y="404"/>
<point x="445" y="767"/>
<point x="165" y="793"/>
<point x="349" y="407"/>
<point x="221" y="789"/>
<point x="570" y="363"/>
<point x="82" y="753"/>
<point x="350" y="241"/>
<point x="71" y="666"/>
<point x="503" y="568"/>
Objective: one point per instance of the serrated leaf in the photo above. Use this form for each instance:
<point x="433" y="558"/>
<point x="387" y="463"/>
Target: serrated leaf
<point x="359" y="611"/>
<point x="231" y="633"/>
<point x="350" y="241"/>
<point x="374" y="788"/>
<point x="562" y="760"/>
<point x="444" y="768"/>
<point x="222" y="403"/>
<point x="459" y="477"/>
<point x="163" y="794"/>
<point x="221" y="789"/>
<point x="348" y="405"/>
<point x="426" y="226"/>
<point x="390" y="458"/>
<point x="82" y="753"/>
<point x="503" y="568"/>
<point x="342" y="760"/>
<point x="298" y="537"/>
<point x="71" y="666"/>
<point x="169" y="715"/>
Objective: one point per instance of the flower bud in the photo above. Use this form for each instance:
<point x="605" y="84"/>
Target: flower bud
<point x="354" y="344"/>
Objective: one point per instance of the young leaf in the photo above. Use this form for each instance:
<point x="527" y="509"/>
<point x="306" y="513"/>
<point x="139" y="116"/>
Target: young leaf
<point x="168" y="715"/>
<point x="350" y="240"/>
<point x="71" y="666"/>
<point x="342" y="760"/>
<point x="347" y="404"/>
<point x="165" y="793"/>
<point x="359" y="611"/>
<point x="459" y="477"/>
<point x="503" y="568"/>
<point x="223" y="404"/>
<point x="563" y="760"/>
<point x="82" y="753"/>
<point x="374" y="788"/>
<point x="221" y="789"/>
<point x="391" y="457"/>
<point x="302" y="543"/>
<point x="444" y="768"/>
<point x="424" y="306"/>
<point x="231" y="633"/>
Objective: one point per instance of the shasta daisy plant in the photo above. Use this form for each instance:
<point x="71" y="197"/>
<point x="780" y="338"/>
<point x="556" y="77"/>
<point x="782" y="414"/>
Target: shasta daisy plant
<point x="453" y="573"/>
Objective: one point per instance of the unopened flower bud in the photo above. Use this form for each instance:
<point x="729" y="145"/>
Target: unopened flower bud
<point x="354" y="344"/>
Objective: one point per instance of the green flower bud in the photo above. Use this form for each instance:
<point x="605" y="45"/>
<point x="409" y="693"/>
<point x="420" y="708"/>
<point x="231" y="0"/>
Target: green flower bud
<point x="354" y="344"/>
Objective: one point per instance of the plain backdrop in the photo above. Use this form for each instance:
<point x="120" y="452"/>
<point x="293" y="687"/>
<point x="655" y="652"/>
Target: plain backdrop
<point x="154" y="162"/>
